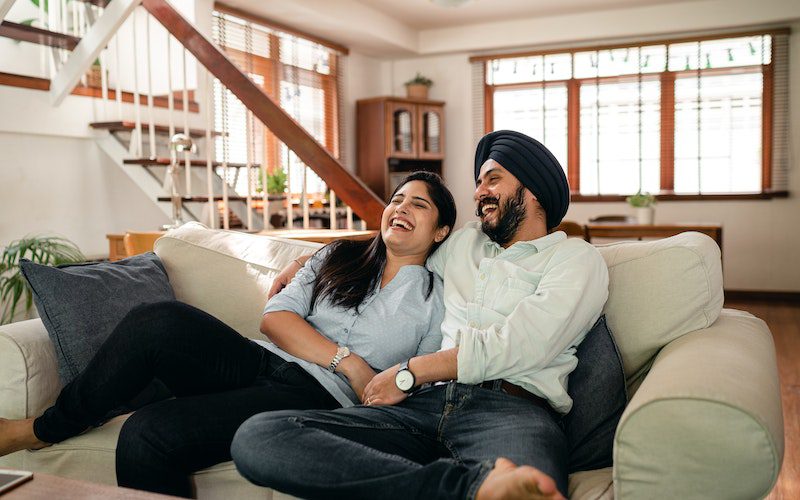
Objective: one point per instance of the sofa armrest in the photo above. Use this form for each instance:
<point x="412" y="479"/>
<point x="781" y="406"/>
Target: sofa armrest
<point x="707" y="420"/>
<point x="29" y="380"/>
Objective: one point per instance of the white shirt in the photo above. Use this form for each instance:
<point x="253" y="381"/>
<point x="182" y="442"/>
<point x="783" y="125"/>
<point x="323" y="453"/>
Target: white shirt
<point x="519" y="313"/>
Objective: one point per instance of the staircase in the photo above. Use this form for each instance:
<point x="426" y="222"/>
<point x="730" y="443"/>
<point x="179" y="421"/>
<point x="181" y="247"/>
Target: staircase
<point x="84" y="52"/>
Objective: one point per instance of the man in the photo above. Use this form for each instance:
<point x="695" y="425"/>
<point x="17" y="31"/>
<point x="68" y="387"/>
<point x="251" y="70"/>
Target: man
<point x="487" y="423"/>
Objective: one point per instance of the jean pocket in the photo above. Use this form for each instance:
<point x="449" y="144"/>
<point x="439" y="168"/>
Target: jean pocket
<point x="290" y="373"/>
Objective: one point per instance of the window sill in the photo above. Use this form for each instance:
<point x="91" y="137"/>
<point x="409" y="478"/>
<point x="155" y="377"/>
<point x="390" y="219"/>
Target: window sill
<point x="671" y="196"/>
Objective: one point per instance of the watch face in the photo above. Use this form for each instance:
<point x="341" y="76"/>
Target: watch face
<point x="404" y="380"/>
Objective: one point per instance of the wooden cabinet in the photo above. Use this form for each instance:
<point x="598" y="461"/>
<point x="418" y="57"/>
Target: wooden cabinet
<point x="397" y="136"/>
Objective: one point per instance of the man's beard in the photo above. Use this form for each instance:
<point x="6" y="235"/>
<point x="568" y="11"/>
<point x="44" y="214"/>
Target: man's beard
<point x="510" y="217"/>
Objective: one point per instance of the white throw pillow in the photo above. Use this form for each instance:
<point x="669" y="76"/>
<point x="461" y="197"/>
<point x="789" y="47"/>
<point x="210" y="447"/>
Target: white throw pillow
<point x="660" y="290"/>
<point x="226" y="273"/>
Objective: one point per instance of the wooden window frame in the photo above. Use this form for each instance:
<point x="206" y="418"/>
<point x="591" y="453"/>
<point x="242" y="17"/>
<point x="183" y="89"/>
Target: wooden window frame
<point x="667" y="105"/>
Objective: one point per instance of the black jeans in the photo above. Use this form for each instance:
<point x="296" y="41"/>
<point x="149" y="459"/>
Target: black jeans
<point x="217" y="377"/>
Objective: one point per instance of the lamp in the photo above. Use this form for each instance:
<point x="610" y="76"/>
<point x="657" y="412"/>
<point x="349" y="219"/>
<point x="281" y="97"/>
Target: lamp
<point x="178" y="143"/>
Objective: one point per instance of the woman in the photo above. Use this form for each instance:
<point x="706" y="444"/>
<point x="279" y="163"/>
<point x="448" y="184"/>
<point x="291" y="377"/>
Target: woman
<point x="374" y="297"/>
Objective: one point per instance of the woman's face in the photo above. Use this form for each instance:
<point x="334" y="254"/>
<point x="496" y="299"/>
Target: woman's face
<point x="409" y="225"/>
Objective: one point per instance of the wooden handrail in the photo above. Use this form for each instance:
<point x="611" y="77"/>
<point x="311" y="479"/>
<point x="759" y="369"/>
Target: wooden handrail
<point x="347" y="187"/>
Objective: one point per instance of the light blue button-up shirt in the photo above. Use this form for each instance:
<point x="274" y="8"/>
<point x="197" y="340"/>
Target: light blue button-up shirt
<point x="393" y="324"/>
<point x="519" y="313"/>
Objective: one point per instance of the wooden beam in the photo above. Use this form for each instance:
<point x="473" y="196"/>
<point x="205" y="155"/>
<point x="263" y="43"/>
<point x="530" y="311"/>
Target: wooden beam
<point x="5" y="6"/>
<point x="31" y="34"/>
<point x="767" y="106"/>
<point x="574" y="135"/>
<point x="667" y="131"/>
<point x="348" y="188"/>
<point x="89" y="48"/>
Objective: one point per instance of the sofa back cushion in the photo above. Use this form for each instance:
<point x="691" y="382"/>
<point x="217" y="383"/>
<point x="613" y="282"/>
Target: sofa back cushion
<point x="658" y="291"/>
<point x="226" y="273"/>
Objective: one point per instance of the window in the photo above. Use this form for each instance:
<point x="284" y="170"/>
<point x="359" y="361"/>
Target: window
<point x="677" y="118"/>
<point x="298" y="73"/>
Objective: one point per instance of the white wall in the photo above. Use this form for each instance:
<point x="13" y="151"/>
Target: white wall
<point x="759" y="237"/>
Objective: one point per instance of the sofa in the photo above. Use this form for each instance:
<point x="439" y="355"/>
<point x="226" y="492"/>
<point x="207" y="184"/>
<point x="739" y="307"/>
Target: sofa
<point x="704" y="418"/>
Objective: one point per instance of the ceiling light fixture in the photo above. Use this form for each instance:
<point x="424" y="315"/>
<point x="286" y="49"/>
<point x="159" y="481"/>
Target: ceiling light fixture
<point x="450" y="3"/>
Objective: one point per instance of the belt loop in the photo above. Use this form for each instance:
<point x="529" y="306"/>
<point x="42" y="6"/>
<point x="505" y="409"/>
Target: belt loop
<point x="497" y="384"/>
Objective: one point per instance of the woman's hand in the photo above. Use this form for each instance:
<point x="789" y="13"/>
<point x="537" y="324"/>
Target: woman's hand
<point x="358" y="373"/>
<point x="285" y="277"/>
<point x="382" y="389"/>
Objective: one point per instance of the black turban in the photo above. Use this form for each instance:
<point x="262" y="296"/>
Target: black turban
<point x="533" y="165"/>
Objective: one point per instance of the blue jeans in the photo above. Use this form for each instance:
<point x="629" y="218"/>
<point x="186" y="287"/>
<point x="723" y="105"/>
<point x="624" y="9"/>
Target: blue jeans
<point x="217" y="377"/>
<point x="439" y="443"/>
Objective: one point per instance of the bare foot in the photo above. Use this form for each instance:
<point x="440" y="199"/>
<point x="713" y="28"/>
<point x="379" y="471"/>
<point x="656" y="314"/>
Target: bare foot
<point x="18" y="435"/>
<point x="507" y="481"/>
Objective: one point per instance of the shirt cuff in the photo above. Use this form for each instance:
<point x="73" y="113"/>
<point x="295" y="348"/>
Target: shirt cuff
<point x="471" y="364"/>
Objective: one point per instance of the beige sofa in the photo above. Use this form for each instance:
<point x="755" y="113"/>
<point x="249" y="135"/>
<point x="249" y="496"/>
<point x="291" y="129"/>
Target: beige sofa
<point x="704" y="420"/>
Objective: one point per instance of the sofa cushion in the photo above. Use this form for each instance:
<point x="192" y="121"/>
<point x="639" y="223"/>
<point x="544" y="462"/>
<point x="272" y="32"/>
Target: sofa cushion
<point x="658" y="291"/>
<point x="225" y="273"/>
<point x="597" y="389"/>
<point x="81" y="304"/>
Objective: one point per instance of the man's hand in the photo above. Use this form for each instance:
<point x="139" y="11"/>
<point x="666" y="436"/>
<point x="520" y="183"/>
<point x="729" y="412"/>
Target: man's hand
<point x="358" y="373"/>
<point x="284" y="277"/>
<point x="382" y="389"/>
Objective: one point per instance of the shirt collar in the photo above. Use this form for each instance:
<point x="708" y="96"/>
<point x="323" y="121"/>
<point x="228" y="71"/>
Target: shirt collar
<point x="540" y="244"/>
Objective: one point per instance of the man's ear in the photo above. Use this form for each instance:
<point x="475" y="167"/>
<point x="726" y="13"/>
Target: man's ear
<point x="441" y="234"/>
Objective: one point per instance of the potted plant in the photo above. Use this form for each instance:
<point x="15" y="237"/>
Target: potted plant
<point x="643" y="204"/>
<point x="48" y="250"/>
<point x="418" y="87"/>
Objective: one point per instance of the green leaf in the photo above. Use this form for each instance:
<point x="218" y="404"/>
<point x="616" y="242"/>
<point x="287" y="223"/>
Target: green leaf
<point x="46" y="4"/>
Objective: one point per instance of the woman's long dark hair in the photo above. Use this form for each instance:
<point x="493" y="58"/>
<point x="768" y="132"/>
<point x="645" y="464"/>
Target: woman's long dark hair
<point x="351" y="269"/>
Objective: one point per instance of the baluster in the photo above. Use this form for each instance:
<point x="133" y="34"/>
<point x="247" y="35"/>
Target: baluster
<point x="265" y="190"/>
<point x="43" y="49"/>
<point x="151" y="124"/>
<point x="349" y="218"/>
<point x="187" y="160"/>
<point x="212" y="211"/>
<point x="225" y="214"/>
<point x="136" y="104"/>
<point x="304" y="197"/>
<point x="170" y="97"/>
<point x="118" y="83"/>
<point x="248" y="136"/>
<point x="289" y="206"/>
<point x="332" y="210"/>
<point x="104" y="83"/>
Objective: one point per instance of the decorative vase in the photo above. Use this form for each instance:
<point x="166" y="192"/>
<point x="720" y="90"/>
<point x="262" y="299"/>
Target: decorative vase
<point x="417" y="91"/>
<point x="94" y="77"/>
<point x="645" y="215"/>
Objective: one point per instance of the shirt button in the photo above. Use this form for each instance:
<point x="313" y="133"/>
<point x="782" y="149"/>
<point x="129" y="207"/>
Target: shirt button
<point x="346" y="330"/>
<point x="483" y="276"/>
<point x="472" y="324"/>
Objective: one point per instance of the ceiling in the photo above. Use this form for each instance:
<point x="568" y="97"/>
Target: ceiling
<point x="423" y="14"/>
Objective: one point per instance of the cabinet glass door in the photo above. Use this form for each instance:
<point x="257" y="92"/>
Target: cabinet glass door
<point x="432" y="131"/>
<point x="403" y="131"/>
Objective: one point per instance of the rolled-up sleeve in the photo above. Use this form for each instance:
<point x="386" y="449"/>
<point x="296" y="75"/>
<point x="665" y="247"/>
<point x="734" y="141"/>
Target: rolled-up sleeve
<point x="296" y="296"/>
<point x="570" y="295"/>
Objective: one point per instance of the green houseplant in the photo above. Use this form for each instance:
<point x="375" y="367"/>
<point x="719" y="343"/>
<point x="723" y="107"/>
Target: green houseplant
<point x="643" y="204"/>
<point x="418" y="87"/>
<point x="47" y="250"/>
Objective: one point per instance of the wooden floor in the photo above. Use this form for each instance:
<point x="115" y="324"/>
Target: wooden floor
<point x="783" y="319"/>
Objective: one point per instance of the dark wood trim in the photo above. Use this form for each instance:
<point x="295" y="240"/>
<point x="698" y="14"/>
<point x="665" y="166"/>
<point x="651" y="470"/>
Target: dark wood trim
<point x="35" y="83"/>
<point x="348" y="188"/>
<point x="195" y="162"/>
<point x="31" y="34"/>
<point x="405" y="100"/>
<point x="762" y="295"/>
<point x="767" y="106"/>
<point x="768" y="195"/>
<point x="573" y="135"/>
<point x="221" y="7"/>
<point x="488" y="108"/>
<point x="127" y="126"/>
<point x="204" y="199"/>
<point x="667" y="131"/>
<point x="661" y="41"/>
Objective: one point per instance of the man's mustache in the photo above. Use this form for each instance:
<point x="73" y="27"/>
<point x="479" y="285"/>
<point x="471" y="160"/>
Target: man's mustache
<point x="488" y="200"/>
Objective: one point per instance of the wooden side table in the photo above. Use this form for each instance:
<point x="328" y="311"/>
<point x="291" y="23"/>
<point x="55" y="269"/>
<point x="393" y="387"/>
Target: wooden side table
<point x="47" y="487"/>
<point x="638" y="231"/>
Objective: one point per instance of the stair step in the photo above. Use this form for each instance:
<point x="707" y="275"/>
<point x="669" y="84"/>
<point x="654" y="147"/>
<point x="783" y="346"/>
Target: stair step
<point x="31" y="34"/>
<point x="204" y="199"/>
<point x="127" y="126"/>
<point x="195" y="162"/>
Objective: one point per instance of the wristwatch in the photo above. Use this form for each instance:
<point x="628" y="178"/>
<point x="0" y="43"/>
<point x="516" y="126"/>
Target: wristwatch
<point x="405" y="380"/>
<point x="341" y="353"/>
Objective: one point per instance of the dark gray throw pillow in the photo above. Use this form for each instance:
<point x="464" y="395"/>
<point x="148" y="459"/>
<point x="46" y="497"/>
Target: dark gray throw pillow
<point x="81" y="304"/>
<point x="598" y="392"/>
